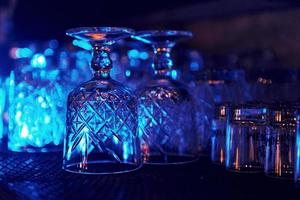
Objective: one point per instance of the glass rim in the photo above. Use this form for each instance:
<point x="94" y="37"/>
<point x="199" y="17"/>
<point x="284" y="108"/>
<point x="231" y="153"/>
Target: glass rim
<point x="145" y="33"/>
<point x="66" y="167"/>
<point x="250" y="105"/>
<point x="75" y="32"/>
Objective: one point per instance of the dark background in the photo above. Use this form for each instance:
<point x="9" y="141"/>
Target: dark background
<point x="36" y="19"/>
<point x="44" y="19"/>
<point x="219" y="26"/>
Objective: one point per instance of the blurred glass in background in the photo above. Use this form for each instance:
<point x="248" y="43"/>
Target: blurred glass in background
<point x="37" y="90"/>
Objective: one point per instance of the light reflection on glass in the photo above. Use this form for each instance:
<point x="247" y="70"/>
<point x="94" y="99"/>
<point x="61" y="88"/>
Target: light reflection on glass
<point x="297" y="151"/>
<point x="2" y="105"/>
<point x="245" y="138"/>
<point x="218" y="139"/>
<point x="280" y="143"/>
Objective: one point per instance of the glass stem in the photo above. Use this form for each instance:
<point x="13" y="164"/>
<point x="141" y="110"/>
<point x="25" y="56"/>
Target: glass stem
<point x="163" y="62"/>
<point x="101" y="62"/>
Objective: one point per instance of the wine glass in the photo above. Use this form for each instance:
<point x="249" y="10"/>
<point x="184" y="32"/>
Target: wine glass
<point x="101" y="113"/>
<point x="165" y="107"/>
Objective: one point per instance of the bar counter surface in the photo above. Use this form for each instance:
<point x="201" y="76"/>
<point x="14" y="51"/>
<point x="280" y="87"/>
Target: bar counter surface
<point x="39" y="176"/>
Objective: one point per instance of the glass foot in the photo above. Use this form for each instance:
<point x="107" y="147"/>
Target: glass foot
<point x="156" y="37"/>
<point x="100" y="34"/>
<point x="248" y="168"/>
<point x="169" y="159"/>
<point x="31" y="149"/>
<point x="101" y="167"/>
<point x="287" y="174"/>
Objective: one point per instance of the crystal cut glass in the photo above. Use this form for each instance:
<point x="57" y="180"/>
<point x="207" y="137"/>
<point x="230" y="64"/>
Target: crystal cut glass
<point x="101" y="118"/>
<point x="165" y="108"/>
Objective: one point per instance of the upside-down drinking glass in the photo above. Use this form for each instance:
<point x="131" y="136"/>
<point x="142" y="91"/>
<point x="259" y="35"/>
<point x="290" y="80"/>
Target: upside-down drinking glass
<point x="245" y="138"/>
<point x="297" y="151"/>
<point x="165" y="107"/>
<point x="218" y="138"/>
<point x="280" y="142"/>
<point x="101" y="117"/>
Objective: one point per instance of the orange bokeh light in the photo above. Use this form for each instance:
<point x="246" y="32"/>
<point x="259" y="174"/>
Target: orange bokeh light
<point x="96" y="36"/>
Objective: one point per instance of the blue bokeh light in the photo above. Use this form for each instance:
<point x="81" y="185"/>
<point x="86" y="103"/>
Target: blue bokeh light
<point x="53" y="44"/>
<point x="194" y="66"/>
<point x="144" y="55"/>
<point x="23" y="52"/>
<point x="174" y="74"/>
<point x="133" y="53"/>
<point x="48" y="52"/>
<point x="127" y="73"/>
<point x="38" y="61"/>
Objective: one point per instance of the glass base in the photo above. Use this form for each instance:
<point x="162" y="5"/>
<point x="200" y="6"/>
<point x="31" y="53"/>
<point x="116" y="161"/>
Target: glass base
<point x="248" y="168"/>
<point x="30" y="149"/>
<point x="169" y="159"/>
<point x="218" y="162"/>
<point x="286" y="175"/>
<point x="101" y="167"/>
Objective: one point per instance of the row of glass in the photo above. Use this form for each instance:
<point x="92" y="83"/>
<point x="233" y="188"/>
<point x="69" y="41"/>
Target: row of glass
<point x="102" y="133"/>
<point x="257" y="138"/>
<point x="103" y="115"/>
<point x="109" y="130"/>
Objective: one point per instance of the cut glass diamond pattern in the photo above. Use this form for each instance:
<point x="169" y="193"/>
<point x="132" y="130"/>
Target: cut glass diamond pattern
<point x="162" y="121"/>
<point x="103" y="117"/>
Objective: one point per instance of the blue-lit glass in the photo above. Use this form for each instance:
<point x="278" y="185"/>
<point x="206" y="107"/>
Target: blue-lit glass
<point x="280" y="146"/>
<point x="211" y="88"/>
<point x="297" y="150"/>
<point x="204" y="110"/>
<point x="37" y="90"/>
<point x="165" y="108"/>
<point x="101" y="117"/>
<point x="36" y="122"/>
<point x="218" y="138"/>
<point x="2" y="107"/>
<point x="245" y="138"/>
